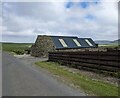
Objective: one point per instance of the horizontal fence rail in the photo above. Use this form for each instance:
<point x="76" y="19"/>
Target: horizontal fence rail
<point x="92" y="60"/>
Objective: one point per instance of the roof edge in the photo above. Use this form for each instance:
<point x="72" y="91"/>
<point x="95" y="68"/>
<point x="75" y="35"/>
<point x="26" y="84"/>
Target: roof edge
<point x="59" y="36"/>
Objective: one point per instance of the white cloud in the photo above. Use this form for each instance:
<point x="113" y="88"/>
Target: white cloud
<point x="52" y="18"/>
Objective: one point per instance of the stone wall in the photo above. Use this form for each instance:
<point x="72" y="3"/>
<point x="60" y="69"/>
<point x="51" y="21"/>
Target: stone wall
<point x="83" y="49"/>
<point x="42" y="46"/>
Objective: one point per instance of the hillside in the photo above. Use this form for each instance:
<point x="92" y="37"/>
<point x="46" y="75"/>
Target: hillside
<point x="102" y="42"/>
<point x="116" y="41"/>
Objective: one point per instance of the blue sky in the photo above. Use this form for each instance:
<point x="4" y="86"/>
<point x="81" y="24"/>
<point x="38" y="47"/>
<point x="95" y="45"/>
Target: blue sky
<point x="23" y="21"/>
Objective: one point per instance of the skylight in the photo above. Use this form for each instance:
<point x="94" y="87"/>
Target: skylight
<point x="76" y="42"/>
<point x="63" y="43"/>
<point x="88" y="42"/>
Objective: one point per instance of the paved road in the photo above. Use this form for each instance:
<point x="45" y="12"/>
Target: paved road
<point x="22" y="78"/>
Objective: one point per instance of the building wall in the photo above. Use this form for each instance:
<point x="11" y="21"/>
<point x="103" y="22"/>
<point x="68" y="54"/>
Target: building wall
<point x="42" y="46"/>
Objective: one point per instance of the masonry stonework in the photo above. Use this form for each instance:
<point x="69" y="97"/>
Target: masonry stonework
<point x="42" y="46"/>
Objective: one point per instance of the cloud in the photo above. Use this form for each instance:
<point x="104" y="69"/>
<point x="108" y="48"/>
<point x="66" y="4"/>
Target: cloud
<point x="97" y="20"/>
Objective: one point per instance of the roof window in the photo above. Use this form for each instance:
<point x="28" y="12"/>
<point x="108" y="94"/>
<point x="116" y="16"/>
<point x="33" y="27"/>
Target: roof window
<point x="76" y="42"/>
<point x="88" y="42"/>
<point x="63" y="43"/>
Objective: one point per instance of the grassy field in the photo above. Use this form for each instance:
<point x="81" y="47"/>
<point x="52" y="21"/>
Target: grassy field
<point x="19" y="48"/>
<point x="91" y="87"/>
<point x="109" y="45"/>
<point x="16" y="48"/>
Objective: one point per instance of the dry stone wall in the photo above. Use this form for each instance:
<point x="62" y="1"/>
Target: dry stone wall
<point x="42" y="46"/>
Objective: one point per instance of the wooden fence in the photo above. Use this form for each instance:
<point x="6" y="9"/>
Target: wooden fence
<point x="90" y="60"/>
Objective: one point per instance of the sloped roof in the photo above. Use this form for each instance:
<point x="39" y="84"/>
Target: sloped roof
<point x="61" y="42"/>
<point x="85" y="44"/>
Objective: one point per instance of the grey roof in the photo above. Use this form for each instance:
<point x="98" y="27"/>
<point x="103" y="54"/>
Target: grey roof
<point x="71" y="44"/>
<point x="85" y="44"/>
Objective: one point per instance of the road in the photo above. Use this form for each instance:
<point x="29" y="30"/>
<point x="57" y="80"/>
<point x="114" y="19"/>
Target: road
<point x="21" y="78"/>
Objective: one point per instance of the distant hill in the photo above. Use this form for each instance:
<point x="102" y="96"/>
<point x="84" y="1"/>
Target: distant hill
<point x="103" y="42"/>
<point x="116" y="41"/>
<point x="107" y="42"/>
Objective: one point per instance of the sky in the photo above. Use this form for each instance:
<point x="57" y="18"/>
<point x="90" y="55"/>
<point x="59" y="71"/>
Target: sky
<point x="23" y="21"/>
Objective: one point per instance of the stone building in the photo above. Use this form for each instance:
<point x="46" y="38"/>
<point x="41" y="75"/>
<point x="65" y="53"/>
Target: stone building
<point x="45" y="44"/>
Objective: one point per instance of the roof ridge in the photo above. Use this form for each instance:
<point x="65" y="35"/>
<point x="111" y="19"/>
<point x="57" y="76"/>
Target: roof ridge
<point x="59" y="36"/>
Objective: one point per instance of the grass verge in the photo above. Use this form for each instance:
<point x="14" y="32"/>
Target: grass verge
<point x="92" y="87"/>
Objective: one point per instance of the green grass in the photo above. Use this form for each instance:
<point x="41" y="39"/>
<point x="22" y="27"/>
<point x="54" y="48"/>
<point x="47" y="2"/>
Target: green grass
<point x="92" y="87"/>
<point x="109" y="45"/>
<point x="15" y="48"/>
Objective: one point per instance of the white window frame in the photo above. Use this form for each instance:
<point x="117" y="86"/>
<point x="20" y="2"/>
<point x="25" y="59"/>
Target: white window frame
<point x="76" y="42"/>
<point x="63" y="43"/>
<point x="88" y="42"/>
